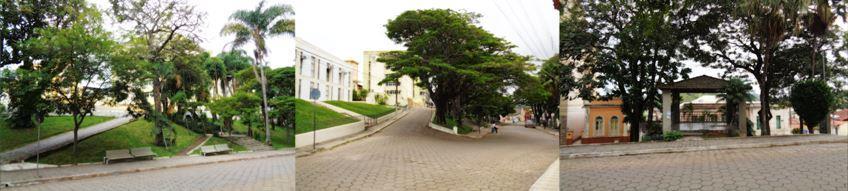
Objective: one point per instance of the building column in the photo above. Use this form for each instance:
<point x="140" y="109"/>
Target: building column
<point x="742" y="124"/>
<point x="666" y="111"/>
<point x="675" y="111"/>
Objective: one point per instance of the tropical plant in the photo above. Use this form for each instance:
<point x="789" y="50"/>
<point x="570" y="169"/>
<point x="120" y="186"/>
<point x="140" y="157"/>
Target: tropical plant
<point x="734" y="93"/>
<point x="257" y="25"/>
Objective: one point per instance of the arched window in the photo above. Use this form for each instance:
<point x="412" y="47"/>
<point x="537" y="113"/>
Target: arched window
<point x="599" y="123"/>
<point x="614" y="126"/>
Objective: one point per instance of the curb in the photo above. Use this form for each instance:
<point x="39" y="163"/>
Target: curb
<point x="693" y="149"/>
<point x="329" y="146"/>
<point x="127" y="171"/>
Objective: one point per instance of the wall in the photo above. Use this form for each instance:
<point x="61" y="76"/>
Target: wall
<point x="316" y="68"/>
<point x="305" y="139"/>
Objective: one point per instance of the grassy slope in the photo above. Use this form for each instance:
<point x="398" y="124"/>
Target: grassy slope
<point x="324" y="117"/>
<point x="370" y="110"/>
<point x="280" y="137"/>
<point x="13" y="138"/>
<point x="131" y="135"/>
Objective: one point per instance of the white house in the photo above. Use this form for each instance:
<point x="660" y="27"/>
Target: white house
<point x="402" y="92"/>
<point x="318" y="69"/>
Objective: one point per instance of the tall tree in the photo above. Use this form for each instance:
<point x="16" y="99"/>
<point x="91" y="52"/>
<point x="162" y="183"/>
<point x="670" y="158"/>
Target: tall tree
<point x="450" y="57"/>
<point x="76" y="62"/>
<point x="19" y="20"/>
<point x="629" y="47"/>
<point x="257" y="25"/>
<point x="157" y="23"/>
<point x="746" y="36"/>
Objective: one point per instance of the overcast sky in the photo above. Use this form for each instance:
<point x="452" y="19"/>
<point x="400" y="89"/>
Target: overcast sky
<point x="347" y="28"/>
<point x="281" y="48"/>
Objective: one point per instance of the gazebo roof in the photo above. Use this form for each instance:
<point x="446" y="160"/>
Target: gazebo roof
<point x="700" y="84"/>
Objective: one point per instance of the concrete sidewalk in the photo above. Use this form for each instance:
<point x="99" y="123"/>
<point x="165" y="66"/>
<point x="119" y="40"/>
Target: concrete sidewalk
<point x="606" y="150"/>
<point x="31" y="177"/>
<point x="549" y="181"/>
<point x="60" y="140"/>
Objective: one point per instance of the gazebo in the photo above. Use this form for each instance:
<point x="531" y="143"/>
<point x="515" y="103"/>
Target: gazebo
<point x="701" y="84"/>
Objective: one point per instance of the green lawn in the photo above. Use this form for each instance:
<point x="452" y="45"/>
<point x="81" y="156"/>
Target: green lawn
<point x="280" y="137"/>
<point x="370" y="110"/>
<point x="323" y="117"/>
<point x="13" y="138"/>
<point x="218" y="140"/>
<point x="138" y="133"/>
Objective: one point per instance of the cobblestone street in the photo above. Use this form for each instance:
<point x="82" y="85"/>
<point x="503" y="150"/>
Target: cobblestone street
<point x="409" y="156"/>
<point x="799" y="167"/>
<point x="274" y="173"/>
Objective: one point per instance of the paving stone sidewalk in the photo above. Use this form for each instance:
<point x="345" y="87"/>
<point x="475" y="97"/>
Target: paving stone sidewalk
<point x="60" y="140"/>
<point x="606" y="150"/>
<point x="33" y="176"/>
<point x="791" y="168"/>
<point x="265" y="174"/>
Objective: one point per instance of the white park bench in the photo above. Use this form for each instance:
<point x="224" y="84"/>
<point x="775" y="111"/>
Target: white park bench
<point x="215" y="149"/>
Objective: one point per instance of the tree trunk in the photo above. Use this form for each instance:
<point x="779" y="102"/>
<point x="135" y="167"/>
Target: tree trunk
<point x="157" y="108"/>
<point x="264" y="83"/>
<point x="76" y="134"/>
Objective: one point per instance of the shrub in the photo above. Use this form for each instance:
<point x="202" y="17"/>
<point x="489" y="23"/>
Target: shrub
<point x="796" y="131"/>
<point x="812" y="99"/>
<point x="381" y="99"/>
<point x="672" y="136"/>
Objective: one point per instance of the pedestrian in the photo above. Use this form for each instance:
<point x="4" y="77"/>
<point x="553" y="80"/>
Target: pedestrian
<point x="495" y="128"/>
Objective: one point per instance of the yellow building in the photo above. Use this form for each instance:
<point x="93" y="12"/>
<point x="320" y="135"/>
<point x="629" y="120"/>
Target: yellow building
<point x="404" y="92"/>
<point x="605" y="123"/>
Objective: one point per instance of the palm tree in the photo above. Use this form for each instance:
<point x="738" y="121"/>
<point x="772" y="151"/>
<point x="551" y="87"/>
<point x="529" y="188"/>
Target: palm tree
<point x="257" y="25"/>
<point x="735" y="93"/>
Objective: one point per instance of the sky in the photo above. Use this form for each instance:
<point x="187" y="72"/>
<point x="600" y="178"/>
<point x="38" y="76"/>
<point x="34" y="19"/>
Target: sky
<point x="281" y="48"/>
<point x="347" y="28"/>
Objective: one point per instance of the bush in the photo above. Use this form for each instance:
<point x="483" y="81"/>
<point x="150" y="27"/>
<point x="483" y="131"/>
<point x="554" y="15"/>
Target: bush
<point x="812" y="99"/>
<point x="360" y="95"/>
<point x="796" y="131"/>
<point x="381" y="99"/>
<point x="672" y="136"/>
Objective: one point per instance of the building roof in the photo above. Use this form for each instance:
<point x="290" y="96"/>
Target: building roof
<point x="700" y="84"/>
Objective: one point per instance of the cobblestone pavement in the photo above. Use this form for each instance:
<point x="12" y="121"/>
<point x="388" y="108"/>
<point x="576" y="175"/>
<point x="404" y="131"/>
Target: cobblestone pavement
<point x="715" y="142"/>
<point x="410" y="156"/>
<point x="799" y="167"/>
<point x="275" y="173"/>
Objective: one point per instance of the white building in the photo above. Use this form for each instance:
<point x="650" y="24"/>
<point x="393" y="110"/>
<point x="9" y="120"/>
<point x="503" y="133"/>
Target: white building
<point x="318" y="69"/>
<point x="400" y="93"/>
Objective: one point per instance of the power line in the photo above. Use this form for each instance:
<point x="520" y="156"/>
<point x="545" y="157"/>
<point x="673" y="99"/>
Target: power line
<point x="523" y="40"/>
<point x="534" y="34"/>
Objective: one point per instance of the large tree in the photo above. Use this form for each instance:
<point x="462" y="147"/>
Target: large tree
<point x="760" y="38"/>
<point x="629" y="48"/>
<point x="450" y="57"/>
<point x="76" y="62"/>
<point x="19" y="20"/>
<point x="257" y="25"/>
<point x="154" y="25"/>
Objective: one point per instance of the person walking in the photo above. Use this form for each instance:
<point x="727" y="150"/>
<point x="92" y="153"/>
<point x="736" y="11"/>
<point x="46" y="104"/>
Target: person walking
<point x="495" y="128"/>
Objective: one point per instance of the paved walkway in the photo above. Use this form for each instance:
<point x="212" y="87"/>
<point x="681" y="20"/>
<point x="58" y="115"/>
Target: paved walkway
<point x="28" y="177"/>
<point x="408" y="155"/>
<point x="603" y="150"/>
<point x="250" y="143"/>
<point x="797" y="167"/>
<point x="60" y="140"/>
<point x="270" y="173"/>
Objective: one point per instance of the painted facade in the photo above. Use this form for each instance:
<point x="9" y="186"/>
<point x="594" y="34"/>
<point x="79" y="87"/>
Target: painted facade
<point x="318" y="69"/>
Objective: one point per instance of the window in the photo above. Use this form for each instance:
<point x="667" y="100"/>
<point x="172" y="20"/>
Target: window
<point x="758" y="122"/>
<point x="778" y="122"/>
<point x="392" y="91"/>
<point x="614" y="125"/>
<point x="599" y="122"/>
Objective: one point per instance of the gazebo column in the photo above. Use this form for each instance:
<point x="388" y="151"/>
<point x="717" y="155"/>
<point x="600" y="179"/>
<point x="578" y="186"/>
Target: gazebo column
<point x="675" y="111"/>
<point x="742" y="114"/>
<point x="666" y="111"/>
